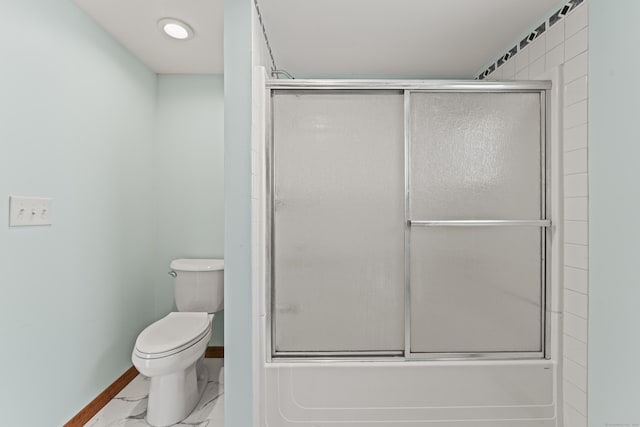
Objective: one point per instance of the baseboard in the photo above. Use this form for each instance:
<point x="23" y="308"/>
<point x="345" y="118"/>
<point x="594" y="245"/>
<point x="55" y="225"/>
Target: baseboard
<point x="103" y="398"/>
<point x="89" y="411"/>
<point x="214" y="353"/>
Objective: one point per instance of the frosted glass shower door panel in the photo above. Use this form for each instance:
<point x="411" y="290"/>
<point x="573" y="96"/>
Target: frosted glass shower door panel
<point x="338" y="217"/>
<point x="476" y="288"/>
<point x="475" y="156"/>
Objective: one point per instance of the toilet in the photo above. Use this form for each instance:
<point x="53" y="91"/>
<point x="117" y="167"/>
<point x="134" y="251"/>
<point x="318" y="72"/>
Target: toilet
<point x="171" y="351"/>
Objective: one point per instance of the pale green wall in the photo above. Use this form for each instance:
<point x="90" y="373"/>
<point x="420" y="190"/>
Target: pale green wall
<point x="188" y="179"/>
<point x="614" y="209"/>
<point x="76" y="124"/>
<point x="237" y="212"/>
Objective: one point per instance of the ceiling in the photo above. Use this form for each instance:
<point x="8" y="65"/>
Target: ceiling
<point x="410" y="38"/>
<point x="340" y="38"/>
<point x="134" y="23"/>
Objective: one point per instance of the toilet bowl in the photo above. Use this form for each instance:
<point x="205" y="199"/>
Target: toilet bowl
<point x="171" y="351"/>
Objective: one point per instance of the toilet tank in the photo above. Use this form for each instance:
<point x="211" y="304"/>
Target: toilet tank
<point x="199" y="284"/>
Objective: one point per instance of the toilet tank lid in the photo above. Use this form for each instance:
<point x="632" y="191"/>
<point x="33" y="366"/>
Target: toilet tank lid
<point x="197" y="264"/>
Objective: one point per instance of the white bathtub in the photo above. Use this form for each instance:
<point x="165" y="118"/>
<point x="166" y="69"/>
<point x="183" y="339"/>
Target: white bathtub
<point x="429" y="394"/>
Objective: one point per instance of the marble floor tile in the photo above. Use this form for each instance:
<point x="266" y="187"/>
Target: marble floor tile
<point x="129" y="407"/>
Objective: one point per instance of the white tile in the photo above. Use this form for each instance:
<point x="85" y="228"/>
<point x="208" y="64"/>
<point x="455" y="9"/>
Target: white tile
<point x="555" y="35"/>
<point x="576" y="67"/>
<point x="555" y="57"/>
<point x="537" y="68"/>
<point x="576" y="208"/>
<point x="576" y="44"/>
<point x="509" y="69"/>
<point x="576" y="185"/>
<point x="576" y="232"/>
<point x="522" y="59"/>
<point x="573" y="418"/>
<point x="255" y="187"/>
<point x="576" y="20"/>
<point x="523" y="74"/>
<point x="575" y="161"/>
<point x="576" y="279"/>
<point x="575" y="350"/>
<point x="137" y="388"/>
<point x="575" y="374"/>
<point x="575" y="114"/>
<point x="498" y="73"/>
<point x="575" y="138"/>
<point x="538" y="48"/>
<point x="576" y="398"/>
<point x="576" y="256"/>
<point x="576" y="91"/>
<point x="129" y="407"/>
<point x="576" y="304"/>
<point x="575" y="326"/>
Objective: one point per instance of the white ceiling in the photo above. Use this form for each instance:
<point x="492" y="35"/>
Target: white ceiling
<point x="135" y="24"/>
<point x="402" y="38"/>
<point x="412" y="38"/>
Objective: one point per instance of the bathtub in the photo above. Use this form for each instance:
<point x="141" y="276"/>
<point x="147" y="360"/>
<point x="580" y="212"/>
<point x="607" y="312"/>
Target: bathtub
<point x="429" y="394"/>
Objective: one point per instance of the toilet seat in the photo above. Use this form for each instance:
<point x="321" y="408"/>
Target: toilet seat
<point x="172" y="334"/>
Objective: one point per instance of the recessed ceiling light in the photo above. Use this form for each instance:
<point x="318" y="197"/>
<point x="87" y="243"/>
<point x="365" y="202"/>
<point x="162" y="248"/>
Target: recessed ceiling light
<point x="175" y="29"/>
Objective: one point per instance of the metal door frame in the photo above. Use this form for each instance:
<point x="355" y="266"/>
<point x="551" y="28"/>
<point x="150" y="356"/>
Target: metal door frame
<point x="408" y="87"/>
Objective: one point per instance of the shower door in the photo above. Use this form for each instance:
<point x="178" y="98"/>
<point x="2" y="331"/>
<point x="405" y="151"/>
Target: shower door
<point x="338" y="223"/>
<point x="407" y="222"/>
<point x="477" y="221"/>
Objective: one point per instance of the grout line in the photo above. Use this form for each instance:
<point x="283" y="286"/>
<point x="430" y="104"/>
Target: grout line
<point x="578" y="316"/>
<point x="571" y="174"/>
<point x="566" y="83"/>
<point x="573" y="407"/>
<point x="580" y="293"/>
<point x="574" y="361"/>
<point x="566" y="380"/>
<point x="576" y="149"/>
<point x="579" y="100"/>
<point x="577" y="268"/>
<point x="576" y="338"/>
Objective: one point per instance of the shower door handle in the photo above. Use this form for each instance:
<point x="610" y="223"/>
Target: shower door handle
<point x="480" y="223"/>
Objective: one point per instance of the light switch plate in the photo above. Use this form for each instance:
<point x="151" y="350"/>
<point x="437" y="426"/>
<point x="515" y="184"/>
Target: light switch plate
<point x="27" y="211"/>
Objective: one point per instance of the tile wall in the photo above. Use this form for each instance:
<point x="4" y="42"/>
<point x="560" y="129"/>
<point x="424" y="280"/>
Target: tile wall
<point x="564" y="40"/>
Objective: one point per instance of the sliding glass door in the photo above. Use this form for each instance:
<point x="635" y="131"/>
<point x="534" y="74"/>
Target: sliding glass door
<point x="476" y="197"/>
<point x="407" y="222"/>
<point x="338" y="209"/>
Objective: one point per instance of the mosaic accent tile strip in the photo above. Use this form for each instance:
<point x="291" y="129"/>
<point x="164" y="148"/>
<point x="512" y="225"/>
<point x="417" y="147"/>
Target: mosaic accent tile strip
<point x="552" y="20"/>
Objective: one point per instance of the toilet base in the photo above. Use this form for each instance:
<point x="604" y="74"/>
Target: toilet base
<point x="174" y="396"/>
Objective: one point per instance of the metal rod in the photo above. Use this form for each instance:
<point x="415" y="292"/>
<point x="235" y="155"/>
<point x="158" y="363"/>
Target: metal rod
<point x="427" y="85"/>
<point x="481" y="223"/>
<point x="407" y="227"/>
<point x="496" y="355"/>
<point x="341" y="354"/>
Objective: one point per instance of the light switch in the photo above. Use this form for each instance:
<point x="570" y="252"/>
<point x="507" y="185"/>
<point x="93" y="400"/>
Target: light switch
<point x="26" y="211"/>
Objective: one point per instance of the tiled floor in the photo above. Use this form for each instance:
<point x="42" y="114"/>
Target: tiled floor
<point x="129" y="407"/>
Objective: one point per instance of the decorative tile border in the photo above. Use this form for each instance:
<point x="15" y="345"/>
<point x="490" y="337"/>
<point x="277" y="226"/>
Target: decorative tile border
<point x="553" y="19"/>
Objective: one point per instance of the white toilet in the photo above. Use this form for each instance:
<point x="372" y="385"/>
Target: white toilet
<point x="171" y="351"/>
